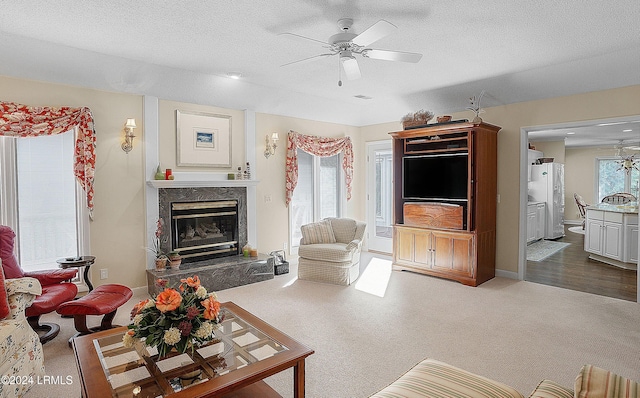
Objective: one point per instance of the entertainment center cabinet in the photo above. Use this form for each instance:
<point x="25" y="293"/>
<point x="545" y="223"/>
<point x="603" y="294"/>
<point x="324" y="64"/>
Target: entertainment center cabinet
<point x="444" y="200"/>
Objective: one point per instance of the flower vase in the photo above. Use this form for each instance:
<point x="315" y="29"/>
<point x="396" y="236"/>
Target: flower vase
<point x="477" y="120"/>
<point x="175" y="263"/>
<point x="161" y="264"/>
<point x="175" y="259"/>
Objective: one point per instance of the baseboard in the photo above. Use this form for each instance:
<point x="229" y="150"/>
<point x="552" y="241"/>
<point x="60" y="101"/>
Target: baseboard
<point x="507" y="274"/>
<point x="615" y="263"/>
<point x="142" y="291"/>
<point x="572" y="222"/>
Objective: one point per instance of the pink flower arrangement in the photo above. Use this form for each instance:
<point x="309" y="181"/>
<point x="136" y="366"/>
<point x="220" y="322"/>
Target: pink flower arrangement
<point x="180" y="318"/>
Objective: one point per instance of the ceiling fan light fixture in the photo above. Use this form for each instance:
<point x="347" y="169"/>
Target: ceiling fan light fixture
<point x="346" y="55"/>
<point x="234" y="75"/>
<point x="350" y="66"/>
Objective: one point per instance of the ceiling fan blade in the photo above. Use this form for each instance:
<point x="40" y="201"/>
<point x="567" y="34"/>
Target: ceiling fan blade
<point x="295" y="36"/>
<point x="351" y="68"/>
<point x="374" y="33"/>
<point x="304" y="60"/>
<point x="392" y="55"/>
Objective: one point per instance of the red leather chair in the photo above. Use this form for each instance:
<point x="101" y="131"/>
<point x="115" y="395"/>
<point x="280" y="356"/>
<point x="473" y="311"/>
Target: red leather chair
<point x="56" y="288"/>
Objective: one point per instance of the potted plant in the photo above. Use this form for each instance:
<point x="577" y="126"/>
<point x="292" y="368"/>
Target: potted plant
<point x="161" y="258"/>
<point x="475" y="107"/>
<point x="175" y="259"/>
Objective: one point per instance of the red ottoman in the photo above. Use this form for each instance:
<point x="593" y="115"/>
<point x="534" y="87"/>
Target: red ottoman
<point x="103" y="300"/>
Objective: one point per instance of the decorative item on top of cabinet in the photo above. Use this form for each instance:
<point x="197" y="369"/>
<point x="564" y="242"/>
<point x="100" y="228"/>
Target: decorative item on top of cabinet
<point x="417" y="119"/>
<point x="458" y="172"/>
<point x="475" y="107"/>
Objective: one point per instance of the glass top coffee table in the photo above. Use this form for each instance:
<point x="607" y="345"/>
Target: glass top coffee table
<point x="245" y="351"/>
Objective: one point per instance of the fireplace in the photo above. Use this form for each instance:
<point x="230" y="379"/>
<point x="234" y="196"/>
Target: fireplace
<point x="204" y="229"/>
<point x="223" y="200"/>
<point x="192" y="206"/>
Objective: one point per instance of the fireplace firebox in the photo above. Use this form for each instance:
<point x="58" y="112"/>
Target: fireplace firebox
<point x="204" y="229"/>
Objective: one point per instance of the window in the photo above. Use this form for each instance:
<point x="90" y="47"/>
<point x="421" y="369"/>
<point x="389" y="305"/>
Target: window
<point x="612" y="179"/>
<point x="318" y="194"/>
<point x="45" y="205"/>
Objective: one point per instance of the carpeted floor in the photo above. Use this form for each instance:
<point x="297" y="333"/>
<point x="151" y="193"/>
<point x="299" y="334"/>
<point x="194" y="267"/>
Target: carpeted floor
<point x="368" y="334"/>
<point x="538" y="251"/>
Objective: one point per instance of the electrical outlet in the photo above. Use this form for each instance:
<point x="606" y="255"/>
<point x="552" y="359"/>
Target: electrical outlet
<point x="267" y="198"/>
<point x="285" y="246"/>
<point x="104" y="273"/>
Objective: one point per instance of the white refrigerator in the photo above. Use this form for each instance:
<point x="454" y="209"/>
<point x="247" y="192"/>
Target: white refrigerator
<point x="547" y="185"/>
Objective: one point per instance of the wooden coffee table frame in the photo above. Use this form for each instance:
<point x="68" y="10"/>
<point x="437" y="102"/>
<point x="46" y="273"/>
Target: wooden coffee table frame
<point x="243" y="382"/>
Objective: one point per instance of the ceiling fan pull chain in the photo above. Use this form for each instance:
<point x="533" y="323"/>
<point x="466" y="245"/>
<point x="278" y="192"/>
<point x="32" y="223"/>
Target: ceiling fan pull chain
<point x="339" y="73"/>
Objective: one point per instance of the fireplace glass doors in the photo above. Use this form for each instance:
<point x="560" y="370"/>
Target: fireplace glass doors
<point x="203" y="230"/>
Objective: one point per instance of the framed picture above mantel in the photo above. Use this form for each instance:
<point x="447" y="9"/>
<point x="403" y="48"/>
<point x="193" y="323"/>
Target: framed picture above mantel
<point x="203" y="139"/>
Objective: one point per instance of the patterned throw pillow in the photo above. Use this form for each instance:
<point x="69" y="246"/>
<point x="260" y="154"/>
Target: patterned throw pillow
<point x="4" y="303"/>
<point x="593" y="382"/>
<point x="319" y="232"/>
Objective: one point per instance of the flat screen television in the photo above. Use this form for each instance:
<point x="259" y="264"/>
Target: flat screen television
<point x="435" y="177"/>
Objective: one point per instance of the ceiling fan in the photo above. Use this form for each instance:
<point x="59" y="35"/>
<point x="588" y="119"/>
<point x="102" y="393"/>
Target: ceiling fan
<point x="347" y="43"/>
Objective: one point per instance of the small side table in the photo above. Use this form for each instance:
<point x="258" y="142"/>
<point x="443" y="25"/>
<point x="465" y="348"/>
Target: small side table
<point x="77" y="262"/>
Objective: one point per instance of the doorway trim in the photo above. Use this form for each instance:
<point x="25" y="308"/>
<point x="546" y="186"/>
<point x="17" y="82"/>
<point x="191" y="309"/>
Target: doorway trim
<point x="524" y="146"/>
<point x="385" y="248"/>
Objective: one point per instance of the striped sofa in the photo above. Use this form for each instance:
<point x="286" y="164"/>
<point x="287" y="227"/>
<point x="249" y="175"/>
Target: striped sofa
<point x="434" y="379"/>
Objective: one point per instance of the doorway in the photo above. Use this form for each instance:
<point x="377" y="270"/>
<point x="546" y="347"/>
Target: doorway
<point x="561" y="262"/>
<point x="379" y="196"/>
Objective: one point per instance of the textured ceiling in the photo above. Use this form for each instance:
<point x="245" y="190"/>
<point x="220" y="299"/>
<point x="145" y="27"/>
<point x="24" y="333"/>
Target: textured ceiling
<point x="182" y="50"/>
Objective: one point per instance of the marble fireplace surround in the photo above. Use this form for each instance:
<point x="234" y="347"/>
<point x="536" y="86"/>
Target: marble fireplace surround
<point x="168" y="195"/>
<point x="196" y="186"/>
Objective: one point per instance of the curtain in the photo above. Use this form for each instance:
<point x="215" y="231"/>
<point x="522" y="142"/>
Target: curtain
<point x="319" y="146"/>
<point x="18" y="120"/>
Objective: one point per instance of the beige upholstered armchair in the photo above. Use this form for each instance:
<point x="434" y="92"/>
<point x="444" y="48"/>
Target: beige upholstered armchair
<point x="330" y="251"/>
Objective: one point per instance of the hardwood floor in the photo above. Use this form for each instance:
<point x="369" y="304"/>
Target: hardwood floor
<point x="571" y="268"/>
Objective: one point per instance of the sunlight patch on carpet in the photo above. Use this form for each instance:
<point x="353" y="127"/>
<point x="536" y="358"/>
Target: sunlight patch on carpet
<point x="290" y="282"/>
<point x="538" y="251"/>
<point x="375" y="278"/>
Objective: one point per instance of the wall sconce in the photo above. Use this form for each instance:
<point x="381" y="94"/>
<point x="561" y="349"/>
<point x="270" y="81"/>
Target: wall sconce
<point x="271" y="144"/>
<point x="127" y="145"/>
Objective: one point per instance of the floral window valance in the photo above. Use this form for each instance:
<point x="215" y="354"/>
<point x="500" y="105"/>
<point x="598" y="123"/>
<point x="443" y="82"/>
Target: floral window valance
<point x="18" y="120"/>
<point x="319" y="146"/>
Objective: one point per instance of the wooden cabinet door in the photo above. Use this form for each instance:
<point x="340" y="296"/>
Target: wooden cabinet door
<point x="405" y="245"/>
<point x="413" y="247"/>
<point x="532" y="224"/>
<point x="423" y="254"/>
<point x="541" y="219"/>
<point x="453" y="252"/>
<point x="631" y="244"/>
<point x="612" y="241"/>
<point x="593" y="236"/>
